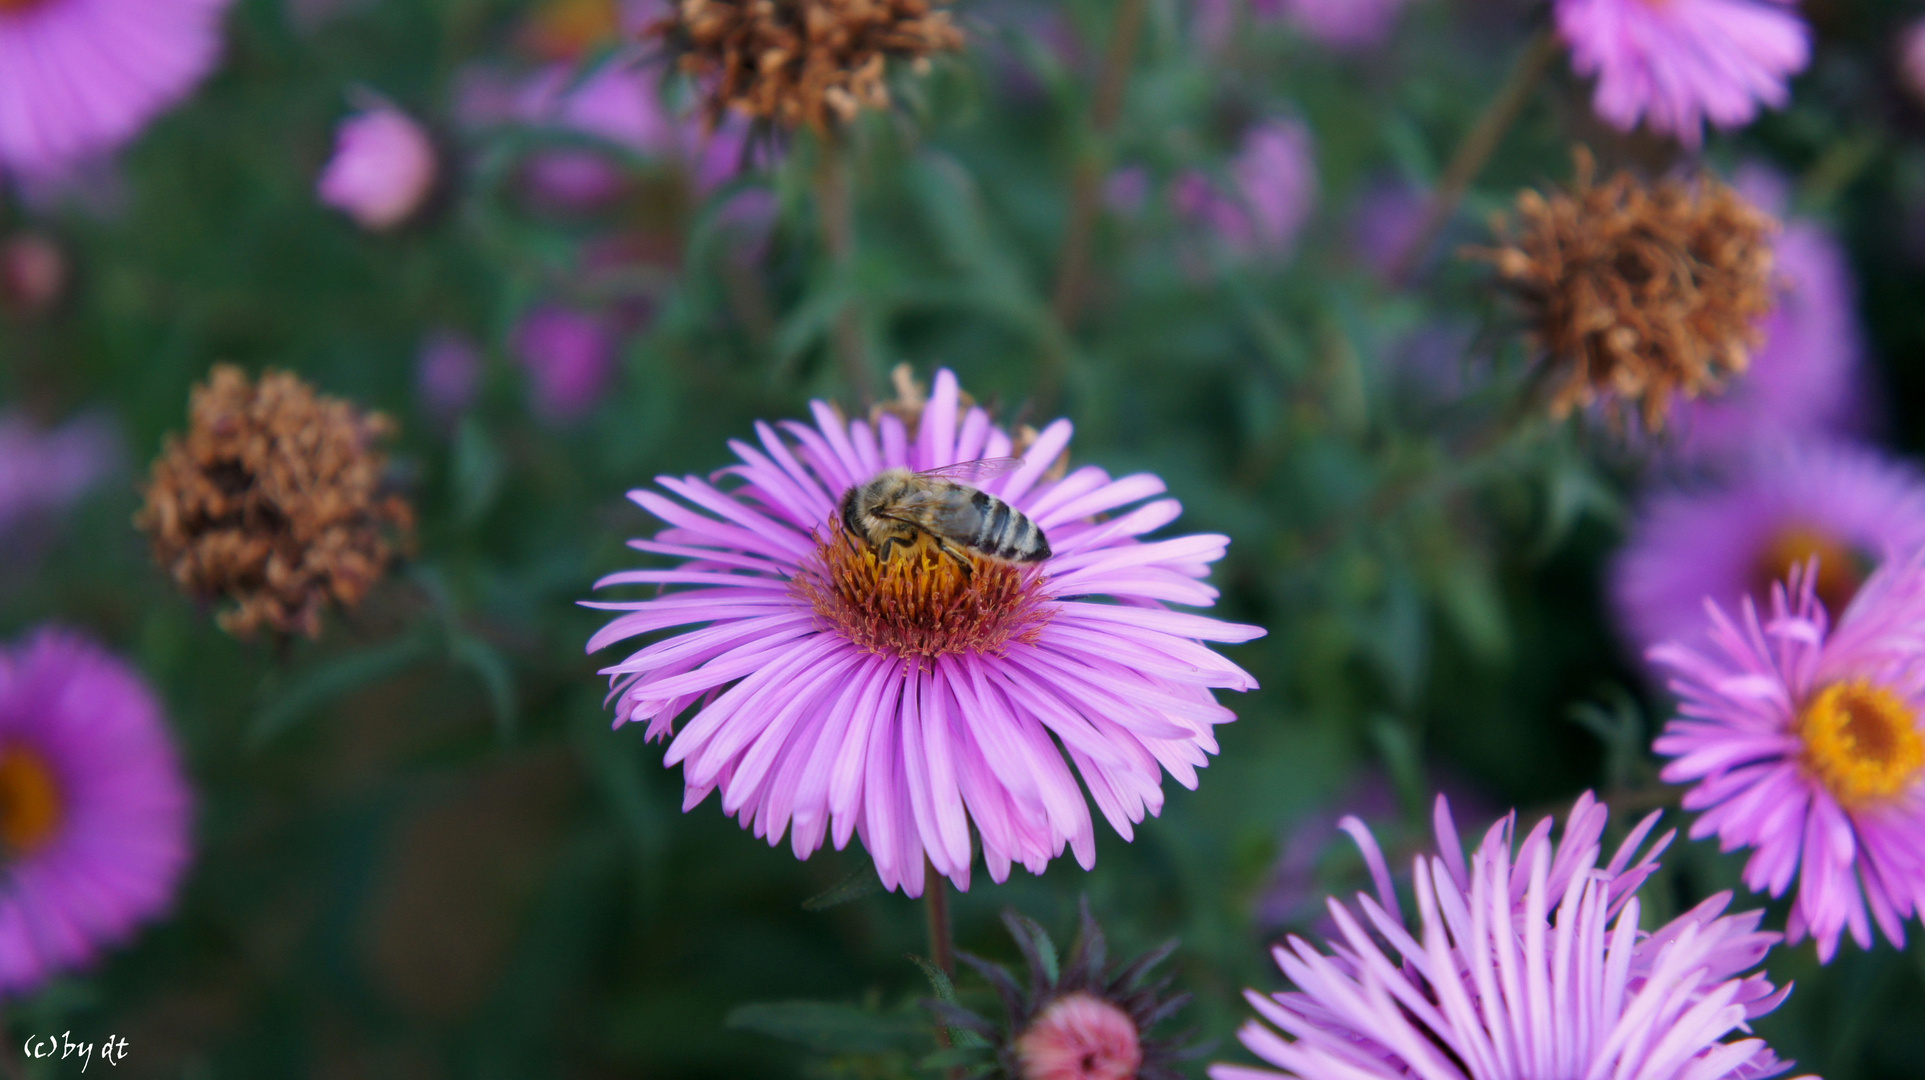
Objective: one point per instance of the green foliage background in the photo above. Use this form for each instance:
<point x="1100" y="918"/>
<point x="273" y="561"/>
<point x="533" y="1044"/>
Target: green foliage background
<point x="422" y="851"/>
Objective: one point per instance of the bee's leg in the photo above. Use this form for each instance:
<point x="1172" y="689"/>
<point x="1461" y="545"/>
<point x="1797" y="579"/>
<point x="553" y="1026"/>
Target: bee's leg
<point x="886" y="548"/>
<point x="961" y="557"/>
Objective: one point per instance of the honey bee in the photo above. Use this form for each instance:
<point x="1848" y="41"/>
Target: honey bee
<point x="898" y="508"/>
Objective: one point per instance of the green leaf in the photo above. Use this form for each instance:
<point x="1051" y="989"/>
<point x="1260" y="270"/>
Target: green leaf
<point x="475" y="471"/>
<point x="831" y="1027"/>
<point x="864" y="882"/>
<point x="492" y="668"/>
<point x="334" y="679"/>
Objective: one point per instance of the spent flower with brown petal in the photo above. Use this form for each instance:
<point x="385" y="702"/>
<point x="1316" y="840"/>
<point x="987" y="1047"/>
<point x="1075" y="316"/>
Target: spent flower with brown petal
<point x="274" y="503"/>
<point x="804" y="62"/>
<point x="1637" y="292"/>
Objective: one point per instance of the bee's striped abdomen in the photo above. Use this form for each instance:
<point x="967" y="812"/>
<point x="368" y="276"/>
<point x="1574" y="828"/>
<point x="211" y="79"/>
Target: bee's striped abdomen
<point x="1006" y="532"/>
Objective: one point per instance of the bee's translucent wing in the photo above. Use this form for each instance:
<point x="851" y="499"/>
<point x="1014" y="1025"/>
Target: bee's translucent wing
<point x="975" y="472"/>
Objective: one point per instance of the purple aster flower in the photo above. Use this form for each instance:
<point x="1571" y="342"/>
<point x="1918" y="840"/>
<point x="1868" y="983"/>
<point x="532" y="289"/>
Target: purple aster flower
<point x="569" y="356"/>
<point x="1678" y="63"/>
<point x="1342" y="24"/>
<point x="80" y="77"/>
<point x="447" y="374"/>
<point x="1388" y="217"/>
<point x="1275" y="178"/>
<point x="94" y="811"/>
<point x="1803" y="742"/>
<point x="44" y="472"/>
<point x="382" y="170"/>
<point x="1848" y="506"/>
<point x="1530" y="965"/>
<point x="831" y="693"/>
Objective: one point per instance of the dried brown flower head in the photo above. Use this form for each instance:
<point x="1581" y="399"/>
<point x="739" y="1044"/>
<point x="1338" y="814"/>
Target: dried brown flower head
<point x="273" y="501"/>
<point x="1639" y="292"/>
<point x="796" y="62"/>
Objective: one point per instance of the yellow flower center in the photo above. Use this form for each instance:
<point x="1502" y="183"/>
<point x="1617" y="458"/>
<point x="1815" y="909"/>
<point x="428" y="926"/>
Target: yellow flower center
<point x="30" y="803"/>
<point x="1841" y="570"/>
<point x="920" y="602"/>
<point x="1862" y="741"/>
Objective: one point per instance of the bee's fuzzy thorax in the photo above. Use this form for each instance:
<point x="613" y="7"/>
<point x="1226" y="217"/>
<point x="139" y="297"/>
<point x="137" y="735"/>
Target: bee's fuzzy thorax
<point x="921" y="603"/>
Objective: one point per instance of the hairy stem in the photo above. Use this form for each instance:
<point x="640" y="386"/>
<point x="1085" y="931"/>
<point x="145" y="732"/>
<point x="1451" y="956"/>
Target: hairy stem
<point x="935" y="895"/>
<point x="1476" y="150"/>
<point x="1086" y="185"/>
<point x="835" y="205"/>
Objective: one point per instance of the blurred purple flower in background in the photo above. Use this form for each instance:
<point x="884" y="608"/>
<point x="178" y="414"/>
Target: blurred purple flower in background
<point x="80" y="77"/>
<point x="1911" y="59"/>
<point x="1343" y="24"/>
<point x="33" y="273"/>
<point x="1525" y="965"/>
<point x="448" y="373"/>
<point x="1127" y="190"/>
<point x="1386" y="222"/>
<point x="1676" y="64"/>
<point x="383" y="168"/>
<point x="44" y="472"/>
<point x="569" y="355"/>
<point x="1274" y="175"/>
<point x="95" y="814"/>
<point x="1848" y="505"/>
<point x="619" y="103"/>
<point x="822" y="708"/>
<point x="1803" y="742"/>
<point x="1809" y="377"/>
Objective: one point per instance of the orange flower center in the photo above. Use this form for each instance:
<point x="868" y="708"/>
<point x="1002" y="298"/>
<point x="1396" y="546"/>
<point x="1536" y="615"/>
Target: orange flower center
<point x="920" y="602"/>
<point x="30" y="803"/>
<point x="1862" y="741"/>
<point x="566" y="29"/>
<point x="1841" y="570"/>
<point x="11" y="7"/>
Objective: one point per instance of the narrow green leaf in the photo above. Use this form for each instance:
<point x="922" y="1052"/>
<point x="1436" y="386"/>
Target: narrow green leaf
<point x="864" y="882"/>
<point x="831" y="1027"/>
<point x="496" y="676"/>
<point x="334" y="679"/>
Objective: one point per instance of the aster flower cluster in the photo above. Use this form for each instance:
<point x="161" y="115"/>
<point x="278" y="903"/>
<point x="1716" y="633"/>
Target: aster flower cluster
<point x="920" y="631"/>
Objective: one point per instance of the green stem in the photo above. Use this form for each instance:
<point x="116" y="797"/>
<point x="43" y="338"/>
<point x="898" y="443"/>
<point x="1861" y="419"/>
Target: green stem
<point x="835" y="205"/>
<point x="935" y="895"/>
<point x="1476" y="150"/>
<point x="1086" y="187"/>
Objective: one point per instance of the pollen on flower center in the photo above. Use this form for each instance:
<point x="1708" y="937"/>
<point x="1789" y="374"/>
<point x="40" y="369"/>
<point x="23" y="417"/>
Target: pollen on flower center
<point x="30" y="801"/>
<point x="1841" y="570"/>
<point x="1861" y="740"/>
<point x="922" y="603"/>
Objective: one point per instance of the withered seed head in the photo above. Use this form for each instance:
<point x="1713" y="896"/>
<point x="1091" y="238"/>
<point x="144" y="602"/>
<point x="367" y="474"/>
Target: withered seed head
<point x="273" y="501"/>
<point x="796" y="62"/>
<point x="1638" y="292"/>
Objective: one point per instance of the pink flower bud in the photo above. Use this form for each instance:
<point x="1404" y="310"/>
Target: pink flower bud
<point x="33" y="273"/>
<point x="383" y="168"/>
<point x="1080" y="1037"/>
